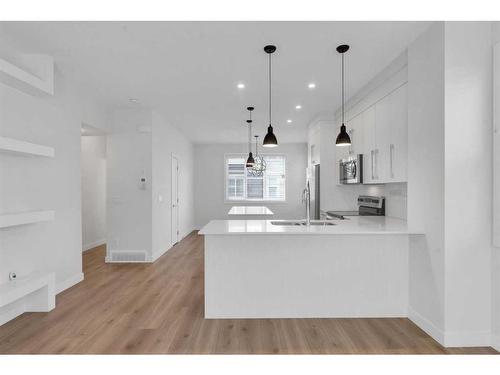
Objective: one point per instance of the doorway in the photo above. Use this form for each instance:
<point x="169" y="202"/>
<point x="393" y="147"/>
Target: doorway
<point x="175" y="199"/>
<point x="93" y="187"/>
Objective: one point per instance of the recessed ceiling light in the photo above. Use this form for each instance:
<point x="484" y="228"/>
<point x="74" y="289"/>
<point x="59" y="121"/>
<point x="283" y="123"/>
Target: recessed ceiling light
<point x="241" y="86"/>
<point x="289" y="121"/>
<point x="312" y="85"/>
<point x="298" y="107"/>
<point x="133" y="100"/>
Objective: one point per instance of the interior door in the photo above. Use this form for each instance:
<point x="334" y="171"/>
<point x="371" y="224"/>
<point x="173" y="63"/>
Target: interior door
<point x="175" y="200"/>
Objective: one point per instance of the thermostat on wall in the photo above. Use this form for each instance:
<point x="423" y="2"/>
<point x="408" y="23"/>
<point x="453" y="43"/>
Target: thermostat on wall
<point x="142" y="183"/>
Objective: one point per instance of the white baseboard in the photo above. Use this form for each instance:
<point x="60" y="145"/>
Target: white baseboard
<point x="93" y="244"/>
<point x="463" y="339"/>
<point x="69" y="282"/>
<point x="10" y="312"/>
<point x="160" y="252"/>
<point x="495" y="342"/>
<point x="426" y="325"/>
<point x="451" y="339"/>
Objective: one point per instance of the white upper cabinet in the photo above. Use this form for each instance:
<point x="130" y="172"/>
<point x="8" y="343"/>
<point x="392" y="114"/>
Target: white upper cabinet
<point x="385" y="139"/>
<point x="383" y="115"/>
<point x="314" y="140"/>
<point x="398" y="147"/>
<point x="369" y="146"/>
<point x="355" y="129"/>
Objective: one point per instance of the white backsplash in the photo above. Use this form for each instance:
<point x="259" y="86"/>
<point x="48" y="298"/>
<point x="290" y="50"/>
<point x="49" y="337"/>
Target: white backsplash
<point x="345" y="197"/>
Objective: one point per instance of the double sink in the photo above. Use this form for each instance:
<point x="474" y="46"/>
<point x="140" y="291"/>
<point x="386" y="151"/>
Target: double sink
<point x="302" y="223"/>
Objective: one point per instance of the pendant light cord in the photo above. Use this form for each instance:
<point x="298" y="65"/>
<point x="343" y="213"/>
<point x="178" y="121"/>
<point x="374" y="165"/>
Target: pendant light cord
<point x="342" y="88"/>
<point x="250" y="134"/>
<point x="270" y="99"/>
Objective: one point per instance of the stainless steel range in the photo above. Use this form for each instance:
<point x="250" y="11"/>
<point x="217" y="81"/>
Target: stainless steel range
<point x="368" y="206"/>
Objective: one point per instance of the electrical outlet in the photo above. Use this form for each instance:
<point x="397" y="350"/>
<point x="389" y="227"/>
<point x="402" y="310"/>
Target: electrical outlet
<point x="12" y="276"/>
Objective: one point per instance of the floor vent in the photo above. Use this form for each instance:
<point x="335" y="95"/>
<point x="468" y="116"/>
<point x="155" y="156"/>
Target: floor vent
<point x="128" y="256"/>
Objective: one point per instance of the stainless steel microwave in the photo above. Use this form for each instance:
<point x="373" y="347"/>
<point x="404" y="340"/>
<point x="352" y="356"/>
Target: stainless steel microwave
<point x="351" y="170"/>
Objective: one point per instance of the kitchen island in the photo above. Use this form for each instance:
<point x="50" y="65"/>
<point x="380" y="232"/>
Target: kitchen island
<point x="250" y="212"/>
<point x="274" y="269"/>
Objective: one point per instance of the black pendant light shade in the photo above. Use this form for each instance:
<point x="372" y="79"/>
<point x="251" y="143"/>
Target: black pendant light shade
<point x="250" y="160"/>
<point x="270" y="139"/>
<point x="343" y="138"/>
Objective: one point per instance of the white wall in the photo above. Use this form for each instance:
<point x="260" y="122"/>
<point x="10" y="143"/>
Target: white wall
<point x="141" y="144"/>
<point x="495" y="277"/>
<point x="168" y="140"/>
<point x="30" y="183"/>
<point x="93" y="158"/>
<point x="468" y="167"/>
<point x="209" y="181"/>
<point x="450" y="182"/>
<point x="425" y="179"/>
<point x="129" y="158"/>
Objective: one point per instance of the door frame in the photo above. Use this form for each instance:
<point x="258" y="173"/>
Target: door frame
<point x="174" y="223"/>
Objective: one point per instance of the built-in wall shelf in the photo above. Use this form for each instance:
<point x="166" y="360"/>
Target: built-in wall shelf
<point x="29" y="217"/>
<point x="36" y="292"/>
<point x="21" y="79"/>
<point x="26" y="148"/>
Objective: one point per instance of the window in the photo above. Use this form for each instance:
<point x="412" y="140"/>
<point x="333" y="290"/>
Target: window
<point x="242" y="186"/>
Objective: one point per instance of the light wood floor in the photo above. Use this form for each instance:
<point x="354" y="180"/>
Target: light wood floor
<point x="158" y="308"/>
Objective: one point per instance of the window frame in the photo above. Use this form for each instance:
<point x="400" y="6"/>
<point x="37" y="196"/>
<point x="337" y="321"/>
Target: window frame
<point x="246" y="200"/>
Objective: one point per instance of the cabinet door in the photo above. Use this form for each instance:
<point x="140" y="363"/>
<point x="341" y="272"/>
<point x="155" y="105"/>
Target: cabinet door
<point x="355" y="130"/>
<point x="398" y="147"/>
<point x="369" y="146"/>
<point x="314" y="145"/>
<point x="383" y="114"/>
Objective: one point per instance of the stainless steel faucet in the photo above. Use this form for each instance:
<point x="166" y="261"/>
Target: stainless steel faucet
<point x="306" y="197"/>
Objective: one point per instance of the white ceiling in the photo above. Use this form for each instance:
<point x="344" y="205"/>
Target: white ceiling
<point x="188" y="71"/>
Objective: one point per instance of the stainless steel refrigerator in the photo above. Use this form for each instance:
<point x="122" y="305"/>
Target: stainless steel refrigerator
<point x="315" y="192"/>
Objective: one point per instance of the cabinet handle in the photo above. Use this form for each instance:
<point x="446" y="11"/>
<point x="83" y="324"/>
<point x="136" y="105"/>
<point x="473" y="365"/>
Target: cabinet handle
<point x="371" y="155"/>
<point x="391" y="153"/>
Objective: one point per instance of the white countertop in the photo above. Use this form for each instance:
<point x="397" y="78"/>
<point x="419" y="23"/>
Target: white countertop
<point x="250" y="210"/>
<point x="354" y="225"/>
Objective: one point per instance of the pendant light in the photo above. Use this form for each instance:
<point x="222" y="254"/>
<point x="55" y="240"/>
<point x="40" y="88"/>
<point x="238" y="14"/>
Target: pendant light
<point x="259" y="165"/>
<point x="270" y="139"/>
<point x="343" y="138"/>
<point x="250" y="160"/>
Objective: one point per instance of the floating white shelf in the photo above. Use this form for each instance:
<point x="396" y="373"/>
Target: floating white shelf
<point x="23" y="80"/>
<point x="26" y="148"/>
<point x="30" y="217"/>
<point x="37" y="290"/>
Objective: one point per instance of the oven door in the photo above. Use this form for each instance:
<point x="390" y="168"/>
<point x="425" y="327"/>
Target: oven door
<point x="350" y="170"/>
